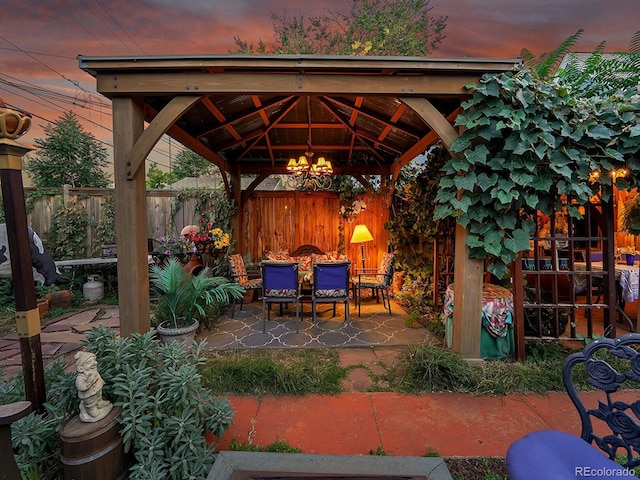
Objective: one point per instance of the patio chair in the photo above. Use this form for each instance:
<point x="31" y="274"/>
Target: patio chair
<point x="331" y="285"/>
<point x="242" y="278"/>
<point x="611" y="366"/>
<point x="377" y="279"/>
<point x="280" y="284"/>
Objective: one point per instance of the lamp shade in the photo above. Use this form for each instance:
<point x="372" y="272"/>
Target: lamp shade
<point x="361" y="234"/>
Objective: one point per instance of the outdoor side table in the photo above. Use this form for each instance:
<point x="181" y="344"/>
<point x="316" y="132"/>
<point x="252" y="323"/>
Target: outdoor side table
<point x="496" y="335"/>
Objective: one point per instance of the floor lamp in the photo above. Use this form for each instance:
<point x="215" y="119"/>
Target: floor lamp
<point x="360" y="235"/>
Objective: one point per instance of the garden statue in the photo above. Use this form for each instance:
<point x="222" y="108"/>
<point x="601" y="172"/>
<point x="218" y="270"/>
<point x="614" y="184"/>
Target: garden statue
<point x="89" y="384"/>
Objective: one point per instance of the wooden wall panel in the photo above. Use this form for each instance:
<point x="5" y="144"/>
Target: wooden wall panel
<point x="282" y="220"/>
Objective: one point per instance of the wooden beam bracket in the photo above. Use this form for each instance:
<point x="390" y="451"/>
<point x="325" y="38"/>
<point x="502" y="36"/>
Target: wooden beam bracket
<point x="28" y="323"/>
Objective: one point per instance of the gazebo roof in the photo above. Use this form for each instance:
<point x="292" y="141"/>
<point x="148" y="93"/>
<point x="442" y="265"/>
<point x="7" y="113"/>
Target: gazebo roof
<point x="257" y="111"/>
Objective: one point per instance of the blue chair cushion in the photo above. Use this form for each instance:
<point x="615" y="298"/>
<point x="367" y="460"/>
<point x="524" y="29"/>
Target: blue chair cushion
<point x="556" y="455"/>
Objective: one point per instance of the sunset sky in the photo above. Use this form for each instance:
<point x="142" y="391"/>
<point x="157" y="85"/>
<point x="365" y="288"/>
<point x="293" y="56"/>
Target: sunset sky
<point x="40" y="40"/>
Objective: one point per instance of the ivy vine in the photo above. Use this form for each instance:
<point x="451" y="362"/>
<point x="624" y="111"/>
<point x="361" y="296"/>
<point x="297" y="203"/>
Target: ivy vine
<point x="210" y="204"/>
<point x="411" y="228"/>
<point x="526" y="144"/>
<point x="106" y="227"/>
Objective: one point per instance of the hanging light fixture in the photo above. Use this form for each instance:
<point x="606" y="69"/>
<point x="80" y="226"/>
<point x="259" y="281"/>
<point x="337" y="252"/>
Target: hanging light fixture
<point x="307" y="174"/>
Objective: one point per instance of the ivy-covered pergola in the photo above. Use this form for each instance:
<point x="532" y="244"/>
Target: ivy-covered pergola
<point x="250" y="114"/>
<point x="530" y="145"/>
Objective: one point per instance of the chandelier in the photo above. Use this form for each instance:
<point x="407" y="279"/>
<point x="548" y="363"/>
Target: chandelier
<point x="306" y="174"/>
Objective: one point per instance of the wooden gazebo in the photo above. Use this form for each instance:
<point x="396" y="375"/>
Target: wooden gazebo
<point x="250" y="114"/>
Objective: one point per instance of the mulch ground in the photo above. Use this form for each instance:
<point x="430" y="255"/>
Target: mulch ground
<point x="477" y="468"/>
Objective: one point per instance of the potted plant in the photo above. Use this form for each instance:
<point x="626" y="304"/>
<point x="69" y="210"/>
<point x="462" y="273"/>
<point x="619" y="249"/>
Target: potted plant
<point x="180" y="295"/>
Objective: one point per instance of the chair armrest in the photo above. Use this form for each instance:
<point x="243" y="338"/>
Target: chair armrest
<point x="254" y="273"/>
<point x="366" y="271"/>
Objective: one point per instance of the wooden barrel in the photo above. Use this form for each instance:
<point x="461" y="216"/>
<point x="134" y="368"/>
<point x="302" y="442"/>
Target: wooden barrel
<point x="93" y="450"/>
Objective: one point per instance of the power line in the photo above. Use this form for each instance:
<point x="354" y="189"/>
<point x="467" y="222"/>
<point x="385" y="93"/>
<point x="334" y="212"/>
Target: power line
<point x="90" y="9"/>
<point x="38" y="53"/>
<point x="73" y="82"/>
<point x="120" y="26"/>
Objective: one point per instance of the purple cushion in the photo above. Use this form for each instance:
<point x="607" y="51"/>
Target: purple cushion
<point x="552" y="454"/>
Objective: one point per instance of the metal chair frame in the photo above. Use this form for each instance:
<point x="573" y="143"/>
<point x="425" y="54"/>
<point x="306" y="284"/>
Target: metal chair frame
<point x="281" y="285"/>
<point x="365" y="281"/>
<point x="328" y="277"/>
<point x="611" y="364"/>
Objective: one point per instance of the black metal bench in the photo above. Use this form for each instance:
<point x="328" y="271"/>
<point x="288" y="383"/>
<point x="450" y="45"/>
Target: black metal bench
<point x="612" y="367"/>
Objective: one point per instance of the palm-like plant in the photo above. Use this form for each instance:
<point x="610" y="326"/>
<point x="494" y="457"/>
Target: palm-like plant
<point x="181" y="295"/>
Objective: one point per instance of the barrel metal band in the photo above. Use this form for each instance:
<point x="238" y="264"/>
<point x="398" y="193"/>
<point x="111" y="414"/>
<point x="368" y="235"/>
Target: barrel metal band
<point x="28" y="323"/>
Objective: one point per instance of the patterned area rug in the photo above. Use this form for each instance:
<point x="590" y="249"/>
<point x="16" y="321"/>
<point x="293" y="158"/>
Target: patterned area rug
<point x="375" y="327"/>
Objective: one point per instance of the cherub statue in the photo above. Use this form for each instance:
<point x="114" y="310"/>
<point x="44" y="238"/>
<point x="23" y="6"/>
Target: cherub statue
<point x="89" y="384"/>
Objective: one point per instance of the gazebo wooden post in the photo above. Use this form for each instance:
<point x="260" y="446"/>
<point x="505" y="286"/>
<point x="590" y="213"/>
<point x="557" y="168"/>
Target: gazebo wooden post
<point x="27" y="315"/>
<point x="131" y="220"/>
<point x="468" y="272"/>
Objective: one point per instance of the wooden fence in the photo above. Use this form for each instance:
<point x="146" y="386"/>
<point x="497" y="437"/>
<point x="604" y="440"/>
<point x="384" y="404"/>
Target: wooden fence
<point x="282" y="220"/>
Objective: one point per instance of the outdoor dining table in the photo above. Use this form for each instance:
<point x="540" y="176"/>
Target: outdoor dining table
<point x="496" y="335"/>
<point x="627" y="277"/>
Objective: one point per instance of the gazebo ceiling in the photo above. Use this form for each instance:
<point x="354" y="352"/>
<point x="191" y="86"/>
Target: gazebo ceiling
<point x="256" y="112"/>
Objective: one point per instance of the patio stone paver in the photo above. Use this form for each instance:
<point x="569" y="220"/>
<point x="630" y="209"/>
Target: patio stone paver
<point x="50" y="350"/>
<point x="110" y="322"/>
<point x="83" y="317"/>
<point x="60" y="337"/>
<point x="57" y="327"/>
<point x="10" y="351"/>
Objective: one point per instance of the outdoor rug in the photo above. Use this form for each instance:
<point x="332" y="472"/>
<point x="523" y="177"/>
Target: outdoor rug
<point x="375" y="327"/>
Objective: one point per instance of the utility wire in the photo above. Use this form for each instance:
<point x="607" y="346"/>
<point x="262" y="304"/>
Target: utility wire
<point x="73" y="82"/>
<point x="120" y="26"/>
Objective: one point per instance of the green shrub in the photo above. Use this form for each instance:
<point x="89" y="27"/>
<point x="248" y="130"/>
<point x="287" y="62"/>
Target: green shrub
<point x="67" y="238"/>
<point x="165" y="408"/>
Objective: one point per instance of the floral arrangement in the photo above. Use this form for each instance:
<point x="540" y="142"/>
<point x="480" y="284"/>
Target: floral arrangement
<point x="172" y="246"/>
<point x="207" y="239"/>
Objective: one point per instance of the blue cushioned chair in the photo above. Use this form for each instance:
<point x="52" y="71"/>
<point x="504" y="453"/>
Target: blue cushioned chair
<point x="549" y="454"/>
<point x="331" y="285"/>
<point x="280" y="285"/>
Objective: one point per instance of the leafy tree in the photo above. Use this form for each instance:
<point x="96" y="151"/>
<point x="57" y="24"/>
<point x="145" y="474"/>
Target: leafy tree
<point x="372" y="27"/>
<point x="190" y="164"/>
<point x="156" y="178"/>
<point x="68" y="156"/>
